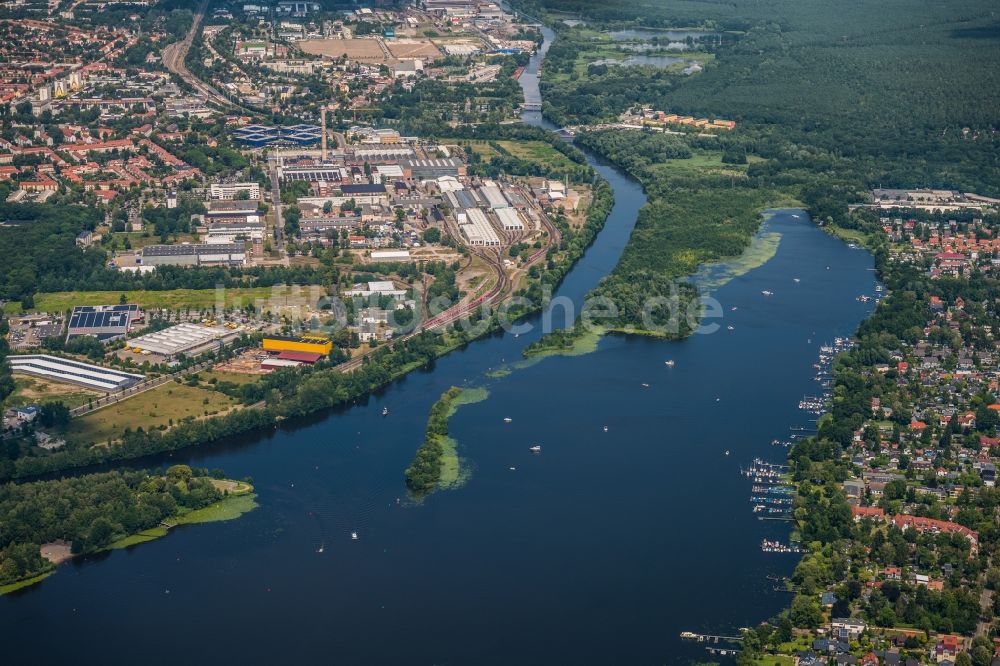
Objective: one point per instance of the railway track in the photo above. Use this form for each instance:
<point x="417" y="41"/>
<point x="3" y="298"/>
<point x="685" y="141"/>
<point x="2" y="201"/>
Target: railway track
<point x="174" y="55"/>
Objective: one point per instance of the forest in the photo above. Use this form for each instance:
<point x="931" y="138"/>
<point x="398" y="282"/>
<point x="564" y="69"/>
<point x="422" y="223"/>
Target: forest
<point x="899" y="93"/>
<point x="694" y="216"/>
<point x="91" y="511"/>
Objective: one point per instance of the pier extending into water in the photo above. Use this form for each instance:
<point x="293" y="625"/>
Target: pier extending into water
<point x="709" y="638"/>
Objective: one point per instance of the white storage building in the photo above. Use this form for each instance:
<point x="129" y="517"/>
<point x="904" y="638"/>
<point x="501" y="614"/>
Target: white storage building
<point x="477" y="228"/>
<point x="188" y="339"/>
<point x="494" y="196"/>
<point x="510" y="219"/>
<point x="73" y="372"/>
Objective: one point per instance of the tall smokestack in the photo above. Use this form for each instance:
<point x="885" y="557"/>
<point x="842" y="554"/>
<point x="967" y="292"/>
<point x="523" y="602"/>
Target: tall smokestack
<point x="322" y="115"/>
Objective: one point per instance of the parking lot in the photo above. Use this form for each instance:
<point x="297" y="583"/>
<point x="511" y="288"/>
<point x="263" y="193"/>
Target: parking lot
<point x="31" y="331"/>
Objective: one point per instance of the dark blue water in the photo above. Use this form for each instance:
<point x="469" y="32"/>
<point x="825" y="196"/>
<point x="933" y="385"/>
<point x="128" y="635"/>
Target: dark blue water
<point x="599" y="550"/>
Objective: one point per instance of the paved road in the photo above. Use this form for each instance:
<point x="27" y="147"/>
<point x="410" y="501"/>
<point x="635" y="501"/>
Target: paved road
<point x="279" y="224"/>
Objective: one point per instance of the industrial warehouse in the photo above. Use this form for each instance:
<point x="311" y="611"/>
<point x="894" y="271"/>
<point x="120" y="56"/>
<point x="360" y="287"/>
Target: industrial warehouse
<point x="104" y="322"/>
<point x="309" y="344"/>
<point x="187" y="339"/>
<point x="73" y="372"/>
<point x="207" y="254"/>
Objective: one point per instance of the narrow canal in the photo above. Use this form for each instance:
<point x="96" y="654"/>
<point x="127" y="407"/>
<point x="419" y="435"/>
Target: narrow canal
<point x="601" y="549"/>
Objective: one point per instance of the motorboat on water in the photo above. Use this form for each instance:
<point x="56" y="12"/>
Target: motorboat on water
<point x="354" y="536"/>
<point x="535" y="449"/>
<point x="507" y="419"/>
<point x="767" y="293"/>
<point x="645" y="385"/>
<point x="730" y="328"/>
<point x="385" y="411"/>
<point x="795" y="280"/>
<point x="669" y="363"/>
<point x="605" y="428"/>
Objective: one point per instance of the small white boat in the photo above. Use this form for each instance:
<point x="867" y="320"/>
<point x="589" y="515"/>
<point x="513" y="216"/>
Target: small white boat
<point x="605" y="428"/>
<point x="320" y="549"/>
<point x="385" y="411"/>
<point x="535" y="449"/>
<point x="354" y="536"/>
<point x="795" y="216"/>
<point x="767" y="293"/>
<point x="513" y="469"/>
<point x="645" y="385"/>
<point x="733" y="309"/>
<point x="507" y="419"/>
<point x="669" y="363"/>
<point x="727" y="452"/>
<point x="730" y="328"/>
<point x="795" y="280"/>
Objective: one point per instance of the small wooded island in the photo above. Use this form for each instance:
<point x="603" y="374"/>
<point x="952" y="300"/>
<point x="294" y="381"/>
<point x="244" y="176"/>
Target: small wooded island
<point x="45" y="523"/>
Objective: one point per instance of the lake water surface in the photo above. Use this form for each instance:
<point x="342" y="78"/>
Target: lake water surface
<point x="599" y="550"/>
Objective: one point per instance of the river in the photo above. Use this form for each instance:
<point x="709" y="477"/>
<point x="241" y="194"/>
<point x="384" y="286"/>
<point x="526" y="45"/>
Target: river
<point x="599" y="550"/>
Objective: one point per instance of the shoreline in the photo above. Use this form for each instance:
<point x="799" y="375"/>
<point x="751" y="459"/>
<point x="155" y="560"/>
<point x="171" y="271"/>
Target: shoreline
<point x="239" y="500"/>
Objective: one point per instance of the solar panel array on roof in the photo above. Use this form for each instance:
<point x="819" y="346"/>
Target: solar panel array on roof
<point x="104" y="322"/>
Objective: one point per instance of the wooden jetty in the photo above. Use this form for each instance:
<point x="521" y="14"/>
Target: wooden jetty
<point x="709" y="638"/>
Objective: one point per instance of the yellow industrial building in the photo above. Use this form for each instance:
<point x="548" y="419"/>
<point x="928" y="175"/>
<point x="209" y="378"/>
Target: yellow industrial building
<point x="314" y="344"/>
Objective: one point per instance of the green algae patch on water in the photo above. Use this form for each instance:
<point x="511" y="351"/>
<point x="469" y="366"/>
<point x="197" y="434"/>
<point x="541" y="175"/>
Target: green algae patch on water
<point x="576" y="341"/>
<point x="230" y="508"/>
<point x="436" y="463"/>
<point x="139" y="537"/>
<point x="467" y="396"/>
<point x="762" y="248"/>
<point x="455" y="471"/>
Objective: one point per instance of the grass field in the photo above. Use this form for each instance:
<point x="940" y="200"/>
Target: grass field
<point x="703" y="162"/>
<point x="152" y="409"/>
<point x="175" y="299"/>
<point x="481" y="148"/>
<point x="33" y="390"/>
<point x="533" y="151"/>
<point x="537" y="151"/>
<point x="232" y="377"/>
